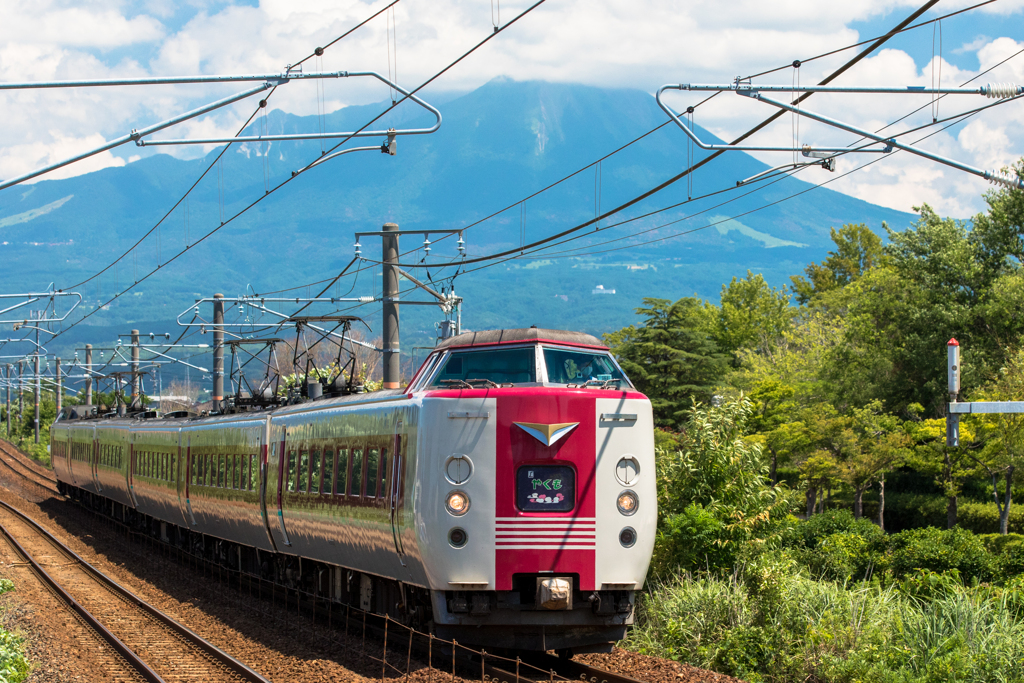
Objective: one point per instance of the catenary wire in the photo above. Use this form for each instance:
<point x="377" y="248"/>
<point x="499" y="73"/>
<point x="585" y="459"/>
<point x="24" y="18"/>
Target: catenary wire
<point x="249" y="206"/>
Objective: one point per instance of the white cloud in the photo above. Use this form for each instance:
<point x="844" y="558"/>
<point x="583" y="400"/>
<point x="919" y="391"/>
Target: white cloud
<point x="618" y="43"/>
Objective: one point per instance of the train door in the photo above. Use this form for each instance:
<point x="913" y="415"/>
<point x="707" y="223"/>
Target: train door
<point x="395" y="497"/>
<point x="261" y="484"/>
<point x="279" y="534"/>
<point x="95" y="461"/>
<point x="185" y="474"/>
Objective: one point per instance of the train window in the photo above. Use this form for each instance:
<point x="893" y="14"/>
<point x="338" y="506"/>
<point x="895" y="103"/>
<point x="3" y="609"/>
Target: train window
<point x="221" y="470"/>
<point x="356" y="480"/>
<point x="254" y="472"/>
<point x="291" y="471"/>
<point x="314" y="480"/>
<point x="328" y="487"/>
<point x="303" y="474"/>
<point x="576" y="367"/>
<point x="242" y="482"/>
<point x="383" y="473"/>
<point x="231" y="481"/>
<point x="342" y="478"/>
<point x="372" y="471"/>
<point x="502" y="366"/>
<point x="194" y="476"/>
<point x="236" y="479"/>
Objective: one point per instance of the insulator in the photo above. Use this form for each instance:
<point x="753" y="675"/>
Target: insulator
<point x="1005" y="178"/>
<point x="1000" y="91"/>
<point x="462" y="245"/>
<point x="359" y="249"/>
<point x="426" y="245"/>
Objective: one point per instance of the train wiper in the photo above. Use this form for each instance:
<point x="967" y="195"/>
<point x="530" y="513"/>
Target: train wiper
<point x="598" y="384"/>
<point x="468" y="383"/>
<point x="457" y="383"/>
<point x="486" y="382"/>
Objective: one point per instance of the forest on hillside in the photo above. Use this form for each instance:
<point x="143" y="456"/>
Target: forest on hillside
<point x="813" y="523"/>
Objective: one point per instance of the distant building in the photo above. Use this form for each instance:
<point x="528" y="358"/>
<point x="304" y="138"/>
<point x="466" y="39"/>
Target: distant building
<point x="601" y="290"/>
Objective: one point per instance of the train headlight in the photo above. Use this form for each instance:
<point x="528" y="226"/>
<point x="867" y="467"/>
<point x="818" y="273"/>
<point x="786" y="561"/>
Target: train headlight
<point x="627" y="537"/>
<point x="457" y="503"/>
<point x="628" y="502"/>
<point x="458" y="537"/>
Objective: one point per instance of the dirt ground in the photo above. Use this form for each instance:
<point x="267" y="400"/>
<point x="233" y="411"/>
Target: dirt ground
<point x="282" y="647"/>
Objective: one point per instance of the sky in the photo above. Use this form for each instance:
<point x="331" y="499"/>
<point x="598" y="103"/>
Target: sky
<point x="640" y="44"/>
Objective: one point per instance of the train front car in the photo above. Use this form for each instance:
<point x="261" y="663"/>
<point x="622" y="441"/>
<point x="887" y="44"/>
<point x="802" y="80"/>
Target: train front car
<point x="536" y="492"/>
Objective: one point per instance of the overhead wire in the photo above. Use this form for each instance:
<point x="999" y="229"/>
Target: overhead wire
<point x="294" y="175"/>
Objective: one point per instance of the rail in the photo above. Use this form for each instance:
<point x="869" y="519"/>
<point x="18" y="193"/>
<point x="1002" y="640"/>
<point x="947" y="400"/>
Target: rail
<point x="206" y="649"/>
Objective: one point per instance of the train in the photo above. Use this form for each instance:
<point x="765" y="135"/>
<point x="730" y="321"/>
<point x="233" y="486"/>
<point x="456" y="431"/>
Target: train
<point x="505" y="498"/>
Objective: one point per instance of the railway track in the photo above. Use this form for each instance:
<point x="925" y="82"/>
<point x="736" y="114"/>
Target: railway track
<point x="152" y="646"/>
<point x="13" y="460"/>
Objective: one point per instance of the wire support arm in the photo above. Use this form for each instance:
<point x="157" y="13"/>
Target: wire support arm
<point x="136" y="135"/>
<point x="992" y="176"/>
<point x="321" y="136"/>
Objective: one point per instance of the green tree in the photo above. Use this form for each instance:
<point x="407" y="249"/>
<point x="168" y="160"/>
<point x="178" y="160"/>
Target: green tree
<point x="714" y="495"/>
<point x="672" y="356"/>
<point x="1002" y="456"/>
<point x="753" y="314"/>
<point x="858" y="250"/>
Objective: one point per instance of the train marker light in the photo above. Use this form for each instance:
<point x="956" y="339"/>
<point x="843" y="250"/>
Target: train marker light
<point x="457" y="503"/>
<point x="458" y="537"/>
<point x="627" y="537"/>
<point x="628" y="502"/>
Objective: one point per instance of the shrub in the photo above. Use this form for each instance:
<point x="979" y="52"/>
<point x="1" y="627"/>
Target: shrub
<point x="983" y="518"/>
<point x="939" y="551"/>
<point x="838" y="521"/>
<point x="914" y="510"/>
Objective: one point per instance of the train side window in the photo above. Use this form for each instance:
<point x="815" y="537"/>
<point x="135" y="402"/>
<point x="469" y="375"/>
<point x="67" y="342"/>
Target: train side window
<point x="314" y="480"/>
<point x="211" y="466"/>
<point x="372" y="471"/>
<point x="236" y="478"/>
<point x="165" y="466"/>
<point x="342" y="478"/>
<point x="303" y="471"/>
<point x="291" y="471"/>
<point x="254" y="472"/>
<point x="383" y="473"/>
<point x="194" y="477"/>
<point x="356" y="480"/>
<point x="242" y="482"/>
<point x="328" y="487"/>
<point x="222" y="471"/>
<point x="232" y="474"/>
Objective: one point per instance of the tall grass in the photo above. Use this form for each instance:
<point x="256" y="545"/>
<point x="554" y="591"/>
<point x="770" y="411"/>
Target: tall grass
<point x="800" y="630"/>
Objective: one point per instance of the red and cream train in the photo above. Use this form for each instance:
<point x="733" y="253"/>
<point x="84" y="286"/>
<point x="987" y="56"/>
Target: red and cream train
<point x="505" y="498"/>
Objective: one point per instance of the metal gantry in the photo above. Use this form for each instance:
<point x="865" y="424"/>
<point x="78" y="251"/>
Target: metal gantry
<point x="823" y="155"/>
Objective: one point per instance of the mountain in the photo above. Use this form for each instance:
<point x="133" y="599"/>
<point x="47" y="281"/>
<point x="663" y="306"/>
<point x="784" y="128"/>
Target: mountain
<point x="497" y="144"/>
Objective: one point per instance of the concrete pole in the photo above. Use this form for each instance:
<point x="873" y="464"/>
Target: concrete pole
<point x="37" y="388"/>
<point x="136" y="400"/>
<point x="21" y="397"/>
<point x="88" y="374"/>
<point x="392" y="355"/>
<point x="60" y="389"/>
<point x="218" y="351"/>
<point x="9" y="373"/>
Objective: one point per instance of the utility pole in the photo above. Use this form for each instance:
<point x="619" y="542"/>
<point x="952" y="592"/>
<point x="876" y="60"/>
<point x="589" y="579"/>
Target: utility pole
<point x="136" y="399"/>
<point x="21" y="396"/>
<point x="9" y="368"/>
<point x="218" y="351"/>
<point x="60" y="389"/>
<point x="38" y="386"/>
<point x="392" y="355"/>
<point x="88" y="374"/>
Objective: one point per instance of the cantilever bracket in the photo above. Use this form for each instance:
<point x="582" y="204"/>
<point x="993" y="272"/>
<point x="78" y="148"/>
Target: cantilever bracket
<point x="999" y="91"/>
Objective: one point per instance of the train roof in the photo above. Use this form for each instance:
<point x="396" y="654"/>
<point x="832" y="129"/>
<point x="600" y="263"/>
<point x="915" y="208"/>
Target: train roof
<point x="524" y="334"/>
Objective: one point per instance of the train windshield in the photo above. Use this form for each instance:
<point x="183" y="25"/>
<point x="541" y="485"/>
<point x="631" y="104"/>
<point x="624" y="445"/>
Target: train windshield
<point x="481" y="369"/>
<point x="570" y="366"/>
